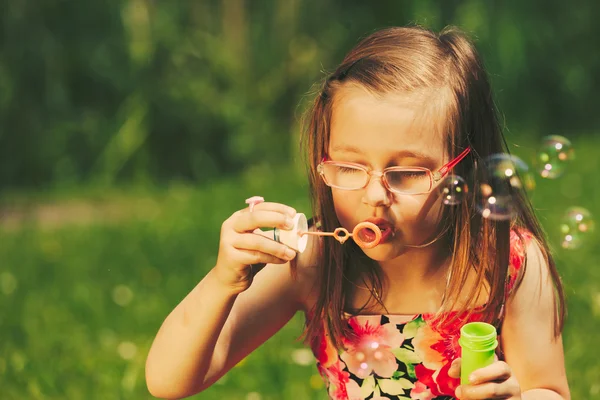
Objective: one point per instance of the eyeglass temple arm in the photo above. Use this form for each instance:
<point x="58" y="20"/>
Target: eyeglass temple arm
<point x="444" y="170"/>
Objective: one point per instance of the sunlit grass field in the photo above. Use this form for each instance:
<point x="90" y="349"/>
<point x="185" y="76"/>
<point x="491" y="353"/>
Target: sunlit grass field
<point x="87" y="277"/>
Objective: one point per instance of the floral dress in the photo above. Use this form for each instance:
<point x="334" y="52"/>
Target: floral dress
<point x="399" y="356"/>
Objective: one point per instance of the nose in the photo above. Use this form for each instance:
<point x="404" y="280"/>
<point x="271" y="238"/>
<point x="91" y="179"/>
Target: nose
<point x="376" y="194"/>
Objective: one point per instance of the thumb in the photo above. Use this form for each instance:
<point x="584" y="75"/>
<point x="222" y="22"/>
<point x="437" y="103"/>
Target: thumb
<point x="454" y="371"/>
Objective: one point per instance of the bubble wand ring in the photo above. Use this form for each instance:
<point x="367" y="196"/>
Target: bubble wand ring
<point x="342" y="234"/>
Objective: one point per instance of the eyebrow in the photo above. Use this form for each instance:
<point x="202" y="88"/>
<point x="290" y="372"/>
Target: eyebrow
<point x="401" y="153"/>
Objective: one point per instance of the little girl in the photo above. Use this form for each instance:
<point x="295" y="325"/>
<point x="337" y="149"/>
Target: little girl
<point x="404" y="108"/>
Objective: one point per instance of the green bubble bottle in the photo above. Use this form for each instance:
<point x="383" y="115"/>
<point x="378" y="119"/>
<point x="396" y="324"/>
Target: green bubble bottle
<point x="478" y="341"/>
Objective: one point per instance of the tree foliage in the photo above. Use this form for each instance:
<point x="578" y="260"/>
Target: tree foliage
<point x="142" y="90"/>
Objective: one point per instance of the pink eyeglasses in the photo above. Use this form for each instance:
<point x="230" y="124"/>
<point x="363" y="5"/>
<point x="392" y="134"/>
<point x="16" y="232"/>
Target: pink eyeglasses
<point x="403" y="180"/>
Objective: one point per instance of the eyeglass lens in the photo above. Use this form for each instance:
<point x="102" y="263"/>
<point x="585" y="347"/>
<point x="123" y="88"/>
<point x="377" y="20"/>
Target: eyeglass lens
<point x="352" y="178"/>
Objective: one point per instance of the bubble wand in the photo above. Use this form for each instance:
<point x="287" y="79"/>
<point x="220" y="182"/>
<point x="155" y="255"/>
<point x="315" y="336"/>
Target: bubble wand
<point x="296" y="238"/>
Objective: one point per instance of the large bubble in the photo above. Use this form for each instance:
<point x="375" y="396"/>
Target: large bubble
<point x="576" y="226"/>
<point x="554" y="155"/>
<point x="500" y="178"/>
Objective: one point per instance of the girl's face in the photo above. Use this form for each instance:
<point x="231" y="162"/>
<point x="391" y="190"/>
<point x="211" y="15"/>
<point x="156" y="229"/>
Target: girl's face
<point x="379" y="132"/>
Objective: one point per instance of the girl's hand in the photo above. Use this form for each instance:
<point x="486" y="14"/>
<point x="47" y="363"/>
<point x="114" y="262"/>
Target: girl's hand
<point x="243" y="250"/>
<point x="495" y="381"/>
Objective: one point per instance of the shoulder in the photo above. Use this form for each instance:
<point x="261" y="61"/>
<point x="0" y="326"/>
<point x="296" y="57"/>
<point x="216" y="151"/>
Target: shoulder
<point x="529" y="270"/>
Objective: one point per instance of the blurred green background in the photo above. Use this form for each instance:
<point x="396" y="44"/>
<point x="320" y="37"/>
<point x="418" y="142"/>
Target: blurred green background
<point x="130" y="129"/>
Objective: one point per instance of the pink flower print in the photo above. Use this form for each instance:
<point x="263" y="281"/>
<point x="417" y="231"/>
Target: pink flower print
<point x="425" y="342"/>
<point x="421" y="392"/>
<point x="438" y="381"/>
<point x="442" y="339"/>
<point x="369" y="349"/>
<point x="341" y="387"/>
<point x="517" y="255"/>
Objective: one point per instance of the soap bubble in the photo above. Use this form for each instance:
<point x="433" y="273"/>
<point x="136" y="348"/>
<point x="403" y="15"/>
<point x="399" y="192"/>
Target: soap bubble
<point x="555" y="153"/>
<point x="500" y="177"/>
<point x="576" y="225"/>
<point x="454" y="190"/>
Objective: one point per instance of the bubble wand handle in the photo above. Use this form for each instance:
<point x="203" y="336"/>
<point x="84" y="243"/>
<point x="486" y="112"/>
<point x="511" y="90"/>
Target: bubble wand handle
<point x="342" y="234"/>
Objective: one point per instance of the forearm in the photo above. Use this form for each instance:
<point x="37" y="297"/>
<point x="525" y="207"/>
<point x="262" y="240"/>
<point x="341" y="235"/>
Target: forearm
<point x="183" y="348"/>
<point x="542" y="394"/>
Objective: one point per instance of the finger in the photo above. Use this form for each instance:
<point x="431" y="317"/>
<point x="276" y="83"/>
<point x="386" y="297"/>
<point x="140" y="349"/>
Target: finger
<point x="257" y="260"/>
<point x="497" y="371"/>
<point x="454" y="371"/>
<point x="269" y="234"/>
<point x="256" y="268"/>
<point x="249" y="221"/>
<point x="252" y="242"/>
<point x="270" y="206"/>
<point x="490" y="390"/>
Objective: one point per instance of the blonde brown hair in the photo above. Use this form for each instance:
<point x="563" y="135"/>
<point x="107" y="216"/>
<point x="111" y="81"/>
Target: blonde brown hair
<point x="410" y="60"/>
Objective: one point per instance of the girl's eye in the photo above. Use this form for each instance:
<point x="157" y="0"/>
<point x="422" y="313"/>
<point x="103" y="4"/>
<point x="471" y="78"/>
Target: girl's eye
<point x="347" y="169"/>
<point x="413" y="174"/>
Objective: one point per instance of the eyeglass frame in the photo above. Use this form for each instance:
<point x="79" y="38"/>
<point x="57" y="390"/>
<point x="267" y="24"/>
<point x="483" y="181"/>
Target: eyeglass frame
<point x="434" y="177"/>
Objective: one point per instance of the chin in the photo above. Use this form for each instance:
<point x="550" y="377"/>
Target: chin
<point x="384" y="252"/>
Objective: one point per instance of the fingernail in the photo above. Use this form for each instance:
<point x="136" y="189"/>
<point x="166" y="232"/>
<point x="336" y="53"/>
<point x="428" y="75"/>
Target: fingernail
<point x="472" y="378"/>
<point x="458" y="392"/>
<point x="289" y="253"/>
<point x="291" y="212"/>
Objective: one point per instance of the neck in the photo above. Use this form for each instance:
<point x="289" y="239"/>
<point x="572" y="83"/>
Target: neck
<point x="417" y="265"/>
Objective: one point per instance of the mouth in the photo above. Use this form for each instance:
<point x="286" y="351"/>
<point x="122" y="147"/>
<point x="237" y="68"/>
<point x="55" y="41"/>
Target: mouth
<point x="386" y="227"/>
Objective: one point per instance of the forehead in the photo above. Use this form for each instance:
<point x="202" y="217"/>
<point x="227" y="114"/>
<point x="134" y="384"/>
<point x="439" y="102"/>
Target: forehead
<point x="385" y="124"/>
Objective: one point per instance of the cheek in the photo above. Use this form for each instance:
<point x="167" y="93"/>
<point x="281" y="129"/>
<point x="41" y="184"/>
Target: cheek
<point x="346" y="203"/>
<point x="421" y="209"/>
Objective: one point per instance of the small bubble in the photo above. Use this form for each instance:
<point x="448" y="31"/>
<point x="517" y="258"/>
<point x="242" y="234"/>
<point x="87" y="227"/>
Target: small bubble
<point x="122" y="295"/>
<point x="454" y="190"/>
<point x="127" y="350"/>
<point x="576" y="226"/>
<point x="555" y="153"/>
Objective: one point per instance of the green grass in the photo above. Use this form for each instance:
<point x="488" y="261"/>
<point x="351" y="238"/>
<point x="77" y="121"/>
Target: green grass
<point x="80" y="302"/>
